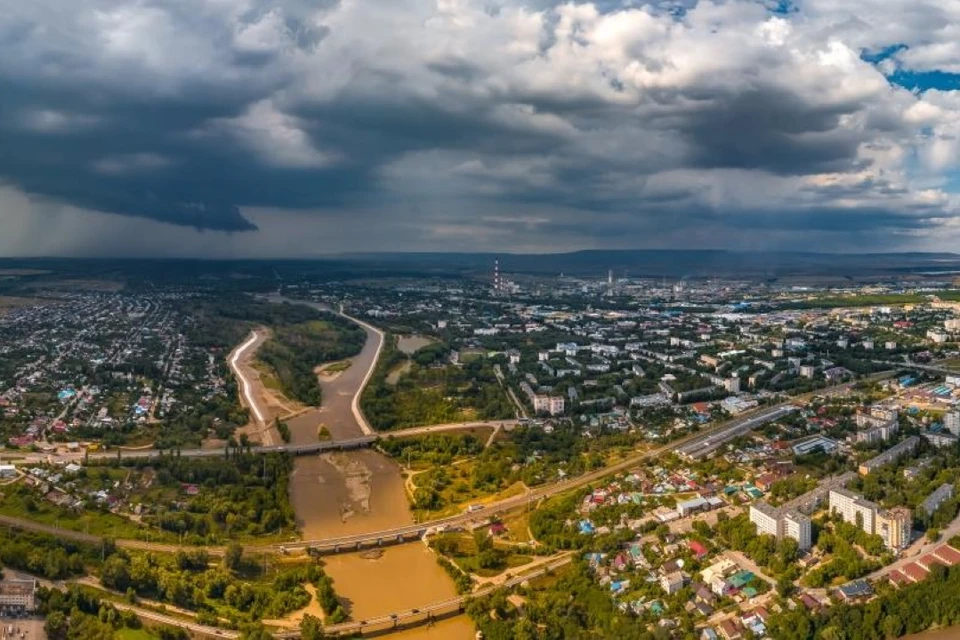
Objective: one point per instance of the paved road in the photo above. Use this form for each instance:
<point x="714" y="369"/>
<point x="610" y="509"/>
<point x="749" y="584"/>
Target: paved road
<point x="929" y="368"/>
<point x="702" y="447"/>
<point x="918" y="549"/>
<point x="246" y="384"/>
<point x="506" y="425"/>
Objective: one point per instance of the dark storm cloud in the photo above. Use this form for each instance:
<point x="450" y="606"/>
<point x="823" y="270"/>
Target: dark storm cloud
<point x="772" y="129"/>
<point x="666" y="113"/>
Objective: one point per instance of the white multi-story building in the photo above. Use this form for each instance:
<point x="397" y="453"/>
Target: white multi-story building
<point x="798" y="526"/>
<point x="782" y="524"/>
<point x="895" y="527"/>
<point x="18" y="594"/>
<point x="854" y="509"/>
<point x="555" y="405"/>
<point x="951" y="422"/>
<point x="766" y="517"/>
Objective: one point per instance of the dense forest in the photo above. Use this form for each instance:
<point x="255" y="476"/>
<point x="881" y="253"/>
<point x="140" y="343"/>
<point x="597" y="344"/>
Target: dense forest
<point x="243" y="496"/>
<point x="238" y="588"/>
<point x="294" y="351"/>
<point x="46" y="556"/>
<point x="428" y="390"/>
<point x="77" y="614"/>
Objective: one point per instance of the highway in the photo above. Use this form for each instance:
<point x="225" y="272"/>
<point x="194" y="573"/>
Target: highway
<point x="506" y="425"/>
<point x="929" y="368"/>
<point x="304" y="449"/>
<point x="704" y="447"/>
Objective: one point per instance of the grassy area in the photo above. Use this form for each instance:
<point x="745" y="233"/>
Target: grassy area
<point x="951" y="363"/>
<point x="518" y="527"/>
<point x="126" y="633"/>
<point x="456" y="491"/>
<point x="481" y="555"/>
<point x="337" y="367"/>
<point x="21" y="503"/>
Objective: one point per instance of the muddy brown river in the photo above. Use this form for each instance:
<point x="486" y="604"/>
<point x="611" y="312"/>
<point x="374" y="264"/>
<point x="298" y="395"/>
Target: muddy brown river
<point x="339" y="494"/>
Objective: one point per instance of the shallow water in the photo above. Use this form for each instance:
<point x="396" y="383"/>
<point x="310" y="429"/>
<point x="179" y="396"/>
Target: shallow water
<point x="345" y="493"/>
<point x="339" y="494"/>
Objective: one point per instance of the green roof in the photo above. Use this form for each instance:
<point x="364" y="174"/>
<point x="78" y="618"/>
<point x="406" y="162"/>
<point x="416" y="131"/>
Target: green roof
<point x="741" y="578"/>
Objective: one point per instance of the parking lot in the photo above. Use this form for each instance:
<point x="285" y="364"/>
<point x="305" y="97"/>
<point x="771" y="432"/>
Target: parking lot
<point x="31" y="628"/>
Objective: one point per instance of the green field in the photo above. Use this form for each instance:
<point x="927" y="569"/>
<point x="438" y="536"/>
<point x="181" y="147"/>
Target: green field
<point x="127" y="633"/>
<point x="20" y="503"/>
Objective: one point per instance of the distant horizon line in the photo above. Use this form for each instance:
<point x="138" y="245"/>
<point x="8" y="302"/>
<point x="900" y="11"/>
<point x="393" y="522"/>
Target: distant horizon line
<point x="365" y="254"/>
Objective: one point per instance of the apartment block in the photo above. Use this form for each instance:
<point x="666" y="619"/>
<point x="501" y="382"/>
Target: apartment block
<point x="797" y="526"/>
<point x="951" y="422"/>
<point x="889" y="456"/>
<point x="894" y="526"/>
<point x="854" y="509"/>
<point x="766" y="517"/>
<point x="782" y="523"/>
<point x="940" y="495"/>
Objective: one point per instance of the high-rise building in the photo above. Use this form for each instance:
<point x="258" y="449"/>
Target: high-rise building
<point x="895" y="527"/>
<point x="951" y="422"/>
<point x="782" y="524"/>
<point x="766" y="517"/>
<point x="853" y="509"/>
<point x="556" y="405"/>
<point x="797" y="526"/>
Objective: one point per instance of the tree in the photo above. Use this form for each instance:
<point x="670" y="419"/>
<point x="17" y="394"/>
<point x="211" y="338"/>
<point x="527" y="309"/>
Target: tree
<point x="892" y="626"/>
<point x="255" y="631"/>
<point x="115" y="573"/>
<point x="56" y="625"/>
<point x="233" y="557"/>
<point x="311" y="628"/>
<point x="784" y="586"/>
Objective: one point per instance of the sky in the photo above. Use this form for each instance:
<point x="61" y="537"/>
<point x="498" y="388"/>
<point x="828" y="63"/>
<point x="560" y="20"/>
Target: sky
<point x="299" y="128"/>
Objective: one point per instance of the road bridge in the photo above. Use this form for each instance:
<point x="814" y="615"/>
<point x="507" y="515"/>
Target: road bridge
<point x="695" y="443"/>
<point x="929" y="368"/>
<point x="427" y="613"/>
